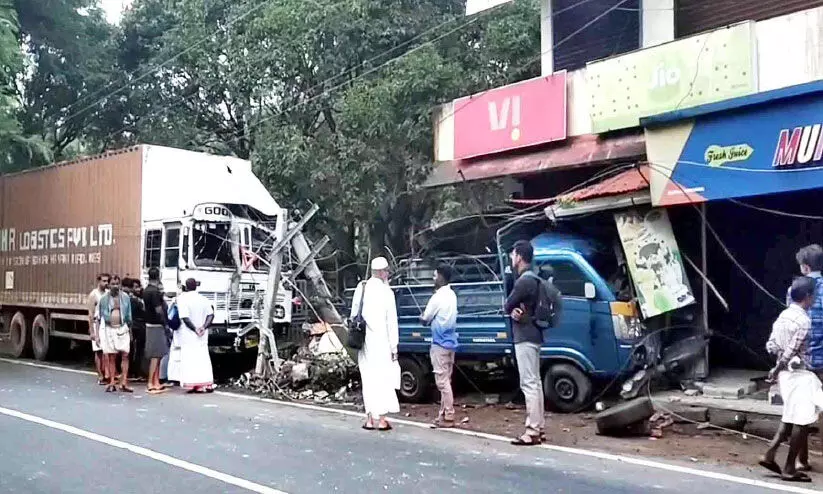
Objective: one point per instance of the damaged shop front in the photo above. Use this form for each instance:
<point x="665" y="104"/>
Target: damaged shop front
<point x="741" y="179"/>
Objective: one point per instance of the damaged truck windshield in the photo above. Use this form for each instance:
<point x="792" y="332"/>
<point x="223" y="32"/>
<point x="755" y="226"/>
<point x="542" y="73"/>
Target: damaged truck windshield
<point x="216" y="246"/>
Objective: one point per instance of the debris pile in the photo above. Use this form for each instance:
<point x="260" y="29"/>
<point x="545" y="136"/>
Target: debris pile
<point x="320" y="371"/>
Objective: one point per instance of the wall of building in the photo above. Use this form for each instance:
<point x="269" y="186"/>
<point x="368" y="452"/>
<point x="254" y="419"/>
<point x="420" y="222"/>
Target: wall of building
<point x="697" y="16"/>
<point x="789" y="52"/>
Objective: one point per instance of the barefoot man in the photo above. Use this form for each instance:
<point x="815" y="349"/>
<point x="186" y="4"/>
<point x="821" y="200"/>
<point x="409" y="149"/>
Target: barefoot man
<point x="92" y="303"/>
<point x="115" y="337"/>
<point x="800" y="389"/>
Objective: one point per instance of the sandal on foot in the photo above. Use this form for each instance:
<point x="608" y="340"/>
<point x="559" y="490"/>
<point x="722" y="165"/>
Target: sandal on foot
<point x="368" y="427"/>
<point x="111" y="388"/>
<point x="527" y="440"/>
<point x="771" y="466"/>
<point x="804" y="467"/>
<point x="125" y="389"/>
<point x="443" y="424"/>
<point x="387" y="427"/>
<point x="797" y="477"/>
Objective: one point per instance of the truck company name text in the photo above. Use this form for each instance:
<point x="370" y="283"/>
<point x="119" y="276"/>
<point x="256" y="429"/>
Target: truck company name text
<point x="56" y="238"/>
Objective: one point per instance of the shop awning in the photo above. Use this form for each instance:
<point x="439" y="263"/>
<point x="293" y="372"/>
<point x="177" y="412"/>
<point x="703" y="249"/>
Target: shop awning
<point x="625" y="189"/>
<point x="573" y="152"/>
<point x="765" y="143"/>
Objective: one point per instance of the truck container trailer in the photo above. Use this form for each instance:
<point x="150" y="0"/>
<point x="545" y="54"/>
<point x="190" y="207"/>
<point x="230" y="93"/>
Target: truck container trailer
<point x="192" y="215"/>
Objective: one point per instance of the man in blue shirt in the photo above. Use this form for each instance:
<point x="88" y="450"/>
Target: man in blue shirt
<point x="441" y="314"/>
<point x="810" y="260"/>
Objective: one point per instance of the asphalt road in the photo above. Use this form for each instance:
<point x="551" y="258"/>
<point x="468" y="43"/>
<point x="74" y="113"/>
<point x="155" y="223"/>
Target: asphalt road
<point x="62" y="433"/>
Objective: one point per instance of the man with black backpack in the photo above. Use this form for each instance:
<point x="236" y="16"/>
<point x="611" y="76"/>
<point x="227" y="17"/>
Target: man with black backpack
<point x="534" y="305"/>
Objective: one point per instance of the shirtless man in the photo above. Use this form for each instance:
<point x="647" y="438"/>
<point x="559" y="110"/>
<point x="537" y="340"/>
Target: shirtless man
<point x="92" y="303"/>
<point x="115" y="337"/>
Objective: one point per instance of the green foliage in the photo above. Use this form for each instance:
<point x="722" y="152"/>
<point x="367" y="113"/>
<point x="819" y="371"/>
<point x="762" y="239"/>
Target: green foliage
<point x="331" y="99"/>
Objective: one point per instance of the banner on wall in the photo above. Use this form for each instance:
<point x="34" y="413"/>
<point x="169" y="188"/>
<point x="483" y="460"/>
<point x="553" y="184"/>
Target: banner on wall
<point x="654" y="261"/>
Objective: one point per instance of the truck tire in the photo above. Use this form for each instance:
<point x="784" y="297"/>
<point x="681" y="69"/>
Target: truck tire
<point x="566" y="388"/>
<point x="623" y="415"/>
<point x="415" y="381"/>
<point x="40" y="337"/>
<point x="19" y="335"/>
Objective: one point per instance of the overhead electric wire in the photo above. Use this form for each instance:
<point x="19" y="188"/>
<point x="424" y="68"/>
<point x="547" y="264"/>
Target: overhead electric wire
<point x="166" y="109"/>
<point x="155" y="68"/>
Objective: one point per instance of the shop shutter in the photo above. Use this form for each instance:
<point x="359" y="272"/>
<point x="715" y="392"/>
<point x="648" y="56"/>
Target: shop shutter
<point x="697" y="16"/>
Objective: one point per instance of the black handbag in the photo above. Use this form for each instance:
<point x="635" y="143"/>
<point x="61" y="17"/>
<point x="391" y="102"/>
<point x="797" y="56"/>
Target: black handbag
<point x="357" y="326"/>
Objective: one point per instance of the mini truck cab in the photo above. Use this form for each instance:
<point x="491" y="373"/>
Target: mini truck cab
<point x="595" y="339"/>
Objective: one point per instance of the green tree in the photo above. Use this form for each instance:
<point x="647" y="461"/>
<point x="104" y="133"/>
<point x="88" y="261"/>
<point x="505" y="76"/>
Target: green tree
<point x="70" y="51"/>
<point x="318" y="95"/>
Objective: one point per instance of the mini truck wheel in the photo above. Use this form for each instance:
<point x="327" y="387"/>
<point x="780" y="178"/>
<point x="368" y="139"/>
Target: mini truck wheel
<point x="40" y="337"/>
<point x="566" y="388"/>
<point x="415" y="381"/>
<point x="19" y="334"/>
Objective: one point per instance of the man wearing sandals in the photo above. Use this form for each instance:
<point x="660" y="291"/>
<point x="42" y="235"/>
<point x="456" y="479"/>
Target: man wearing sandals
<point x="800" y="389"/>
<point x="441" y="314"/>
<point x="114" y="312"/>
<point x="527" y="341"/>
<point x="377" y="360"/>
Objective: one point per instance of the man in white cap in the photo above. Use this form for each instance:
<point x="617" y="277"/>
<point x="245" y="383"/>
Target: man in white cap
<point x="379" y="369"/>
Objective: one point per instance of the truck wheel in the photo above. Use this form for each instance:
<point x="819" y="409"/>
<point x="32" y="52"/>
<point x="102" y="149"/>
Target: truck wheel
<point x="567" y="388"/>
<point x="19" y="333"/>
<point x="624" y="415"/>
<point x="415" y="382"/>
<point x="40" y="338"/>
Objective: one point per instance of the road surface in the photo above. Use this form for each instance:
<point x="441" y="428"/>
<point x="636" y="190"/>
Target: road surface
<point x="62" y="433"/>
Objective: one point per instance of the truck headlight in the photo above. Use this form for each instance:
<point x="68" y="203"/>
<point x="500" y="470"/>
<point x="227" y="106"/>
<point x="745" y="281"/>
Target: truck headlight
<point x="626" y="323"/>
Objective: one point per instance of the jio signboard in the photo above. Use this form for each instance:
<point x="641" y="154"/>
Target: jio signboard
<point x="510" y="117"/>
<point x="769" y="143"/>
<point x="693" y="71"/>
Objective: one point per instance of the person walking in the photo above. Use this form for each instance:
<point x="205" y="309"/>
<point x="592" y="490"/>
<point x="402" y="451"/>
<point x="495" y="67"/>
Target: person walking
<point x="157" y="345"/>
<point x="114" y="312"/>
<point x="94" y="325"/>
<point x="379" y="370"/>
<point x="441" y="314"/>
<point x="800" y="389"/>
<point x="196" y="314"/>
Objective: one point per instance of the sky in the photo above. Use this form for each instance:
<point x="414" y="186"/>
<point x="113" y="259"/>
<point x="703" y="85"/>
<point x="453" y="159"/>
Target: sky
<point x="114" y="8"/>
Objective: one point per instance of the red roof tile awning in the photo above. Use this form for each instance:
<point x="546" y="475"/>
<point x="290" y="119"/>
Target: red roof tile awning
<point x="573" y="152"/>
<point x="635" y="179"/>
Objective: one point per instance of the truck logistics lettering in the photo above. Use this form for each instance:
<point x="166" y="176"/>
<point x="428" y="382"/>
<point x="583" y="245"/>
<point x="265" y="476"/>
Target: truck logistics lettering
<point x="56" y="238"/>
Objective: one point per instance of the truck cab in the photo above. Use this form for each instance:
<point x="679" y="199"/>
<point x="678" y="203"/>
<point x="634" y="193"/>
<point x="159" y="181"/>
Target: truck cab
<point x="225" y="247"/>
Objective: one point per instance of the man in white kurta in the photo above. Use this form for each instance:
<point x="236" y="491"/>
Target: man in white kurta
<point x="196" y="315"/>
<point x="379" y="369"/>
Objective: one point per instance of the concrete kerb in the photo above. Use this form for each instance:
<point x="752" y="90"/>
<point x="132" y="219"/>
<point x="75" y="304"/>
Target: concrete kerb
<point x="491" y="437"/>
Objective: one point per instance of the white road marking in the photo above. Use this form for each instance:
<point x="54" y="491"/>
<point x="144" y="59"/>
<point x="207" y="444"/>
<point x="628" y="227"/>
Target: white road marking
<point x="492" y="437"/>
<point x="169" y="460"/>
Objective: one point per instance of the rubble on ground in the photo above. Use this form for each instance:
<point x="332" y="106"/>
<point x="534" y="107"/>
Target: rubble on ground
<point x="320" y="371"/>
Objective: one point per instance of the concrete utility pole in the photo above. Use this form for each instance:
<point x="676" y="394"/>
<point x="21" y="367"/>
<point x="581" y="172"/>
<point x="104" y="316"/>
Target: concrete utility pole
<point x="267" y="358"/>
<point x="323" y="303"/>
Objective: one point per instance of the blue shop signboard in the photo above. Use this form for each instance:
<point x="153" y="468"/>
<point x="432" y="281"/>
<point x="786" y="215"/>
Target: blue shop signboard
<point x="766" y="143"/>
